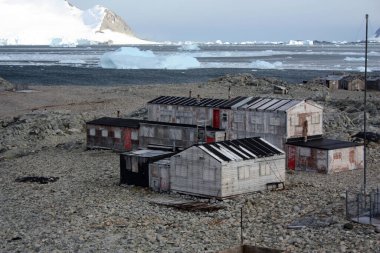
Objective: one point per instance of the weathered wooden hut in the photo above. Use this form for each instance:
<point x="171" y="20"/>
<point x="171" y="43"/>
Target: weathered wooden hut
<point x="278" y="89"/>
<point x="274" y="119"/>
<point x="129" y="134"/>
<point x="227" y="168"/>
<point x="190" y="110"/>
<point x="113" y="133"/>
<point x="134" y="165"/>
<point x="324" y="155"/>
<point x="333" y="81"/>
<point x="373" y="83"/>
<point x="353" y="83"/>
<point x="163" y="135"/>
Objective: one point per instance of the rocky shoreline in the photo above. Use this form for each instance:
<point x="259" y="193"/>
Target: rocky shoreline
<point x="85" y="210"/>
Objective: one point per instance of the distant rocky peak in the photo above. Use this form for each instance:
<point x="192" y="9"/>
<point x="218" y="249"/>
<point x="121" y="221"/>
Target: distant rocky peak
<point x="377" y="33"/>
<point x="115" y="23"/>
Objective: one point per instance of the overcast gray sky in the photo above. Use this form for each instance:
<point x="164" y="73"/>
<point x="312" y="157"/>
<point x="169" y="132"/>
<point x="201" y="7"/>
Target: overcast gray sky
<point x="245" y="20"/>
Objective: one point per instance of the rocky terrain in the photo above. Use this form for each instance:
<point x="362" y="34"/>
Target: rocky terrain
<point x="85" y="210"/>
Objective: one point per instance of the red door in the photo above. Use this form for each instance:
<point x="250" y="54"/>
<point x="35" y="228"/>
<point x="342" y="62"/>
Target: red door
<point x="291" y="157"/>
<point x="127" y="139"/>
<point x="216" y="118"/>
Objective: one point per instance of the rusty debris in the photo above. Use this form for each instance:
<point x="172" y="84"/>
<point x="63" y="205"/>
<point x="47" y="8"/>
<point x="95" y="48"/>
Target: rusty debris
<point x="186" y="205"/>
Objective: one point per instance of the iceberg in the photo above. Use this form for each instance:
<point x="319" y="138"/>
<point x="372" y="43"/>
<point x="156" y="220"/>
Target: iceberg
<point x="134" y="58"/>
<point x="354" y="59"/>
<point x="189" y="47"/>
<point x="258" y="64"/>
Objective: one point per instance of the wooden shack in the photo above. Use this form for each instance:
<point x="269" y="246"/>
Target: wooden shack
<point x="333" y="82"/>
<point x="163" y="135"/>
<point x="324" y="155"/>
<point x="353" y="83"/>
<point x="134" y="165"/>
<point x="274" y="119"/>
<point x="113" y="133"/>
<point x="190" y="110"/>
<point x="278" y="89"/>
<point x="373" y="83"/>
<point x="227" y="168"/>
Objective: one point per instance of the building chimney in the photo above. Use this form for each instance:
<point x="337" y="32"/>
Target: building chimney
<point x="198" y="98"/>
<point x="189" y="93"/>
<point x="229" y="92"/>
<point x="118" y="114"/>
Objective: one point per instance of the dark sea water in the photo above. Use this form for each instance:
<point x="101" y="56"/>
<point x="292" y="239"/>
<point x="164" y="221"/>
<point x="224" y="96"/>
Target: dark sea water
<point x="64" y="75"/>
<point x="83" y="65"/>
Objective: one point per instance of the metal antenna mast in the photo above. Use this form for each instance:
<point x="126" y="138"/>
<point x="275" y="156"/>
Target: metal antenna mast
<point x="365" y="105"/>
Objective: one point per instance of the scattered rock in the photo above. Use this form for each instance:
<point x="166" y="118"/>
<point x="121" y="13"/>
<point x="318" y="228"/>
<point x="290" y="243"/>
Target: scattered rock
<point x="40" y="180"/>
<point x="348" y="226"/>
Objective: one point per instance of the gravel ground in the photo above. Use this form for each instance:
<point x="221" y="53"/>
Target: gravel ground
<point x="87" y="211"/>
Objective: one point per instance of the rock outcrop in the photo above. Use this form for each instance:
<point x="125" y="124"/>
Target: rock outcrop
<point x="5" y="85"/>
<point x="115" y="23"/>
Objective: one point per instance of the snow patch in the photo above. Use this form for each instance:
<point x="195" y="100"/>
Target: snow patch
<point x="134" y="58"/>
<point x="258" y="64"/>
<point x="55" y="23"/>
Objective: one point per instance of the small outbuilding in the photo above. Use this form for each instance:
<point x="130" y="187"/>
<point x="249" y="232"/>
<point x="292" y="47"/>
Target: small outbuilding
<point x="134" y="165"/>
<point x="333" y="81"/>
<point x="113" y="133"/>
<point x="278" y="89"/>
<point x="324" y="155"/>
<point x="159" y="175"/>
<point x="228" y="168"/>
<point x="373" y="83"/>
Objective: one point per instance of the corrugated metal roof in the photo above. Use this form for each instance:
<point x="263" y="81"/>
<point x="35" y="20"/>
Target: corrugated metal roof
<point x="135" y="123"/>
<point x="241" y="149"/>
<point x="251" y="103"/>
<point x="202" y="102"/>
<point x="325" y="144"/>
<point x="116" y="122"/>
<point x="147" y="153"/>
<point x="270" y="104"/>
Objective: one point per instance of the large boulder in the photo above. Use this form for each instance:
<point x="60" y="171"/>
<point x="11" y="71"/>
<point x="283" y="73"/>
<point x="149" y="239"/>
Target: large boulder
<point x="5" y="85"/>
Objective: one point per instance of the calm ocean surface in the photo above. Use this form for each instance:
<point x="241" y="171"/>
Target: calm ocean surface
<point x="81" y="65"/>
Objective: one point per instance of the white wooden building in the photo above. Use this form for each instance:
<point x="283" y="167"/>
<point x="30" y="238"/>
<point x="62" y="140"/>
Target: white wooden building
<point x="227" y="168"/>
<point x="276" y="120"/>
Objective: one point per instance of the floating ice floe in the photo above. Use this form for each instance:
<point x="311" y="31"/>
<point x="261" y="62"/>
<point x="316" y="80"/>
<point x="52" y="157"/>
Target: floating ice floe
<point x="362" y="69"/>
<point x="134" y="58"/>
<point x="259" y="64"/>
<point x="189" y="47"/>
<point x="354" y="59"/>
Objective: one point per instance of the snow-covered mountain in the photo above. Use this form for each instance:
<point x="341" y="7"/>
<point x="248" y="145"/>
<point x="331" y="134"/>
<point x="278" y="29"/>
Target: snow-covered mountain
<point x="57" y="22"/>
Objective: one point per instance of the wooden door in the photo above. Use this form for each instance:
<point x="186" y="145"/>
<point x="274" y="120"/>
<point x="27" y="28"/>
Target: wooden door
<point x="216" y="118"/>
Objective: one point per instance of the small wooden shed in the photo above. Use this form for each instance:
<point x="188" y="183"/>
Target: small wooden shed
<point x="134" y="165"/>
<point x="278" y="89"/>
<point x="324" y="155"/>
<point x="373" y="83"/>
<point x="333" y="82"/>
<point x="113" y="133"/>
<point x="227" y="168"/>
